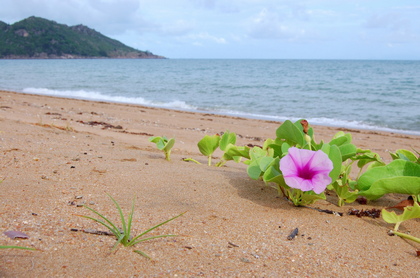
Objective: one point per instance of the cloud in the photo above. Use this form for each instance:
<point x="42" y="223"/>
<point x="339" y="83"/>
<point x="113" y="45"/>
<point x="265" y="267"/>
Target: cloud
<point x="219" y="6"/>
<point x="204" y="36"/>
<point x="390" y="28"/>
<point x="112" y="15"/>
<point x="272" y="25"/>
<point x="392" y="21"/>
<point x="177" y="28"/>
<point x="208" y="4"/>
<point x="240" y="28"/>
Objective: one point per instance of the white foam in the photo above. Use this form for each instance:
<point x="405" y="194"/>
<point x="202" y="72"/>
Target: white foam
<point x="181" y="105"/>
<point x="97" y="96"/>
<point x="322" y="121"/>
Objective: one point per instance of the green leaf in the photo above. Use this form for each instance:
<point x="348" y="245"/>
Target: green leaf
<point x="291" y="133"/>
<point x="160" y="141"/>
<point x="347" y="151"/>
<point x="257" y="152"/>
<point x="163" y="144"/>
<point x="334" y="155"/>
<point x="268" y="142"/>
<point x="405" y="155"/>
<point x="260" y="161"/>
<point x="401" y="185"/>
<point x="254" y="170"/>
<point x="208" y="144"/>
<point x="227" y="138"/>
<point x="343" y="141"/>
<point x="273" y="174"/>
<point x="170" y="143"/>
<point x="341" y="138"/>
<point x="397" y="168"/>
<point x="366" y="158"/>
<point x="344" y="194"/>
<point x="265" y="162"/>
<point x="410" y="212"/>
<point x="285" y="148"/>
<point x="277" y="150"/>
<point x="234" y="151"/>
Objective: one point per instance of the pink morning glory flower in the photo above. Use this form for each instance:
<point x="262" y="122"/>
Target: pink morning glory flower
<point x="306" y="170"/>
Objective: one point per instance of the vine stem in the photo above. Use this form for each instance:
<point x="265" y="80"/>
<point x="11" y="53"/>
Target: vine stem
<point x="415" y="239"/>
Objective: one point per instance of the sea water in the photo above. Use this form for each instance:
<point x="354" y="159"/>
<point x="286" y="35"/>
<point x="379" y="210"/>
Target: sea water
<point x="379" y="95"/>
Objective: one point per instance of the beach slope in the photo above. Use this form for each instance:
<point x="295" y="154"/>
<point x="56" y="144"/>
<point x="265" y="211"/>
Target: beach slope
<point x="58" y="154"/>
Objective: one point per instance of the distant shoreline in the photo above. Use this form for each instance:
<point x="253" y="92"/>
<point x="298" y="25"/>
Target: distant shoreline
<point x="75" y="57"/>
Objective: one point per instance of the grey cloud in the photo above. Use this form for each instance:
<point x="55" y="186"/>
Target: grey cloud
<point x="271" y="25"/>
<point x="390" y="28"/>
<point x="220" y="6"/>
<point x="177" y="28"/>
<point x="393" y="21"/>
<point x="112" y="16"/>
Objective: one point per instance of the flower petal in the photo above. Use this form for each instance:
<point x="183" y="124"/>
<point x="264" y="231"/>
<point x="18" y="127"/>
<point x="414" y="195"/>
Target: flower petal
<point x="288" y="166"/>
<point x="306" y="170"/>
<point x="320" y="182"/>
<point x="320" y="162"/>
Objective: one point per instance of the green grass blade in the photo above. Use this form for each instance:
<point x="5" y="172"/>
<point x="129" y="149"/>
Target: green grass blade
<point x="16" y="247"/>
<point x="123" y="236"/>
<point x="142" y="253"/>
<point x="103" y="217"/>
<point x="124" y="226"/>
<point x="130" y="220"/>
<point x="120" y="240"/>
<point x="113" y="229"/>
<point x="154" y="227"/>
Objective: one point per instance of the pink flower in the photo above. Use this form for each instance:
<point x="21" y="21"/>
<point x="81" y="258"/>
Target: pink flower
<point x="306" y="170"/>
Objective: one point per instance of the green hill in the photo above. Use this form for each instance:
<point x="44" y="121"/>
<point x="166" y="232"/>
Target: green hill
<point x="37" y="37"/>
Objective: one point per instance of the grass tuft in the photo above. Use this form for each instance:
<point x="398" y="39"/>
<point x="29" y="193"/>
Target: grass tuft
<point x="124" y="235"/>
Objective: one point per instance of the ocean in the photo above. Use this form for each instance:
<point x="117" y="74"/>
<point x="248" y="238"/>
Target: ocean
<point x="374" y="95"/>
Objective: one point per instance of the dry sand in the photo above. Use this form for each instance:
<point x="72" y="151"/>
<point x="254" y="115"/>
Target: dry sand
<point x="53" y="161"/>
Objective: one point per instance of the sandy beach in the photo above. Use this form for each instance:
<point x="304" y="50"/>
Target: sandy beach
<point x="58" y="154"/>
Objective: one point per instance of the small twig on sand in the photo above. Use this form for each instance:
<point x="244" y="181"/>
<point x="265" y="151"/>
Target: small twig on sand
<point x="327" y="211"/>
<point x="91" y="231"/>
<point x="293" y="234"/>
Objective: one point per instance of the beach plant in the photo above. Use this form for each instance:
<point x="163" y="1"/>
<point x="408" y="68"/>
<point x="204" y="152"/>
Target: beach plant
<point x="307" y="167"/>
<point x="344" y="186"/>
<point x="410" y="212"/>
<point x="301" y="183"/>
<point x="208" y="145"/>
<point x="304" y="172"/>
<point x="406" y="155"/>
<point x="123" y="232"/>
<point x="164" y="144"/>
<point x="399" y="176"/>
<point x="302" y="169"/>
<point x="226" y="143"/>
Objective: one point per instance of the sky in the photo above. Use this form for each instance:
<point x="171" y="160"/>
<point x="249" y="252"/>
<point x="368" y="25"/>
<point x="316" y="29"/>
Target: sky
<point x="243" y="29"/>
